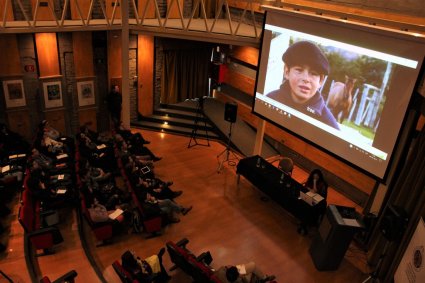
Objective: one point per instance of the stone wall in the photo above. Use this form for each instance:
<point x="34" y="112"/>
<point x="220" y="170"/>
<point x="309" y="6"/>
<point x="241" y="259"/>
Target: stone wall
<point x="159" y="61"/>
<point x="32" y="87"/>
<point x="132" y="77"/>
<point x="17" y="12"/>
<point x="69" y="92"/>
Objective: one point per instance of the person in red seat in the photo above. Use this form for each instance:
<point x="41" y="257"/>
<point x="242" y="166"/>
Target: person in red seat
<point x="167" y="206"/>
<point x="145" y="270"/>
<point x="243" y="273"/>
<point x="99" y="213"/>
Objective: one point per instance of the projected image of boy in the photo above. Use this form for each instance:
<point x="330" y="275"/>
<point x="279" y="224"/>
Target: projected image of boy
<point x="304" y="73"/>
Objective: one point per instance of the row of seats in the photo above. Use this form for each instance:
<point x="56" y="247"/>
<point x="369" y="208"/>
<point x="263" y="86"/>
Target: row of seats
<point x="123" y="274"/>
<point x="196" y="267"/>
<point x="68" y="277"/>
<point x="39" y="225"/>
<point x="151" y="225"/>
<point x="102" y="231"/>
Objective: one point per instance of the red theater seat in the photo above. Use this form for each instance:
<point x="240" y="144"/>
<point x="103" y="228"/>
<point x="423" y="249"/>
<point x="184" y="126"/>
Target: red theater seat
<point x="66" y="278"/>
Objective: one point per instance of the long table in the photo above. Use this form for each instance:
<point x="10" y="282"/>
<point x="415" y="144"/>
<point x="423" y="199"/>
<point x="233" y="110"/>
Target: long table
<point x="280" y="187"/>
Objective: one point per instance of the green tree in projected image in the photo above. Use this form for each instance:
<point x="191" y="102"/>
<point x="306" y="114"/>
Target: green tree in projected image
<point x="365" y="69"/>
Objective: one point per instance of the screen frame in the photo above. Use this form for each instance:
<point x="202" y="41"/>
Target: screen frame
<point x="381" y="31"/>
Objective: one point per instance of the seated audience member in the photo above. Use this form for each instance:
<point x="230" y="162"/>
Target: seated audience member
<point x="48" y="187"/>
<point x="11" y="144"/>
<point x="167" y="206"/>
<point x="52" y="147"/>
<point x="94" y="136"/>
<point x="106" y="193"/>
<point x="51" y="177"/>
<point x="99" y="213"/>
<point x="316" y="183"/>
<point x="11" y="171"/>
<point x="52" y="133"/>
<point x="159" y="189"/>
<point x="244" y="273"/>
<point x="136" y="149"/>
<point x="135" y="139"/>
<point x="48" y="130"/>
<point x="86" y="142"/>
<point x="47" y="163"/>
<point x="37" y="183"/>
<point x="98" y="154"/>
<point x="97" y="175"/>
<point x="133" y="163"/>
<point x="148" y="182"/>
<point x="145" y="270"/>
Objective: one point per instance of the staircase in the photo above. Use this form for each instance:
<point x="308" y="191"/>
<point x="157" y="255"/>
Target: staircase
<point x="182" y="119"/>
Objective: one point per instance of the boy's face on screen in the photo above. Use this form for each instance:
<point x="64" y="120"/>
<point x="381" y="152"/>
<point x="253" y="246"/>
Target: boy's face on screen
<point x="304" y="82"/>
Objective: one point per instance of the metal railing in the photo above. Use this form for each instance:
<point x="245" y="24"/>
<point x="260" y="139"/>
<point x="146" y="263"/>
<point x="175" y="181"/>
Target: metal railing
<point x="97" y="16"/>
<point x="243" y="23"/>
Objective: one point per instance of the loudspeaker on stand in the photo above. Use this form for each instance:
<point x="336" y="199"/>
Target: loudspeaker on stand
<point x="230" y="112"/>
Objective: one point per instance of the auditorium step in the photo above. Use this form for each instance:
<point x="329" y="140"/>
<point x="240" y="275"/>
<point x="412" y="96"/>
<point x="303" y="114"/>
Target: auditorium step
<point x="180" y="119"/>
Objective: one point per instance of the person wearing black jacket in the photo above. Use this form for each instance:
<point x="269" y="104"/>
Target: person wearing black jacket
<point x="114" y="101"/>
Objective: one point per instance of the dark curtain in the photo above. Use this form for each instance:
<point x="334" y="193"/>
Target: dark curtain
<point x="185" y="74"/>
<point x="408" y="193"/>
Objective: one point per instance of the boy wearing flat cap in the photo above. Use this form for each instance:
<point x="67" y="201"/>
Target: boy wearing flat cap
<point x="304" y="73"/>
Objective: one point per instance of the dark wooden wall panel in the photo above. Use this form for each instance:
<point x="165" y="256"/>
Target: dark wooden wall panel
<point x="145" y="67"/>
<point x="84" y="9"/>
<point x="110" y="9"/>
<point x="47" y="54"/>
<point x="9" y="56"/>
<point x="83" y="54"/>
<point x="246" y="54"/>
<point x="44" y="13"/>
<point x="239" y="81"/>
<point x="19" y="122"/>
<point x="56" y="119"/>
<point x="150" y="9"/>
<point x="88" y="116"/>
<point x="114" y="55"/>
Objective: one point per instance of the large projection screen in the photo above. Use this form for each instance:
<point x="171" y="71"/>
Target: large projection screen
<point x="356" y="110"/>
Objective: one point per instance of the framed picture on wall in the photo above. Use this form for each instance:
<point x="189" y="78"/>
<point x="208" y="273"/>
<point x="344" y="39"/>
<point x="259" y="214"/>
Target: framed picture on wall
<point x="14" y="93"/>
<point x="85" y="91"/>
<point x="52" y="94"/>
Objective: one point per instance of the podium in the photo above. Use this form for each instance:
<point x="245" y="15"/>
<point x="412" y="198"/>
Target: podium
<point x="336" y="231"/>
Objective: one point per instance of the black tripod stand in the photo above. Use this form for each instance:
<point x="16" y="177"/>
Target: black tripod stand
<point x="227" y="153"/>
<point x="373" y="276"/>
<point x="198" y="117"/>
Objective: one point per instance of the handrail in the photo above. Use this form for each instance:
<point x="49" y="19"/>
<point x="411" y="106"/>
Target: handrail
<point x="33" y="22"/>
<point x="386" y="23"/>
<point x="189" y="24"/>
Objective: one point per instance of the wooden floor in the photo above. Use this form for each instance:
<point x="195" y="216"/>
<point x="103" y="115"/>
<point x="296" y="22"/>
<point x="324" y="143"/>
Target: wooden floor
<point x="227" y="219"/>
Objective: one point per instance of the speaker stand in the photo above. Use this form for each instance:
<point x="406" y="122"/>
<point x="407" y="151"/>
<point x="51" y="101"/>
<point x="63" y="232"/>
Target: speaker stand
<point x="199" y="115"/>
<point x="225" y="154"/>
<point x="5" y="276"/>
<point x="373" y="276"/>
